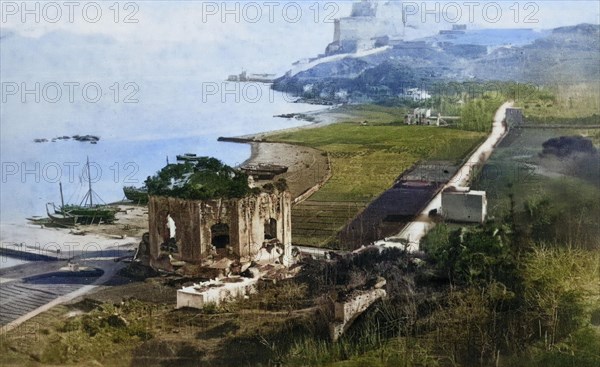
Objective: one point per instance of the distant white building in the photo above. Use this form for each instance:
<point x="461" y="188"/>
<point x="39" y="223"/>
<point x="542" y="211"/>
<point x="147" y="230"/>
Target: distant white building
<point x="421" y="116"/>
<point x="416" y="94"/>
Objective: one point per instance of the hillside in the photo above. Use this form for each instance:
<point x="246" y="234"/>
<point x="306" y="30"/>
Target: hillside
<point x="567" y="54"/>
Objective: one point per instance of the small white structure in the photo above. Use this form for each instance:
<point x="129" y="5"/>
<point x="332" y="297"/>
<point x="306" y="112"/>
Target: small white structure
<point x="460" y="204"/>
<point x="215" y="292"/>
<point x="416" y="94"/>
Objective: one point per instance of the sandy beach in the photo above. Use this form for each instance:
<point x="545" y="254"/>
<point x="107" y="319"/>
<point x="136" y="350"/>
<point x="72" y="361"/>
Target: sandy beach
<point x="65" y="243"/>
<point x="33" y="287"/>
<point x="307" y="167"/>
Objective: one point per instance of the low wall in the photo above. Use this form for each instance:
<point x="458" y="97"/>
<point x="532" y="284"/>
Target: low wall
<point x="308" y="193"/>
<point x="345" y="312"/>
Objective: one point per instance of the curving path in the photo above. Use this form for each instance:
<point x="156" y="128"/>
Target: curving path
<point x="415" y="230"/>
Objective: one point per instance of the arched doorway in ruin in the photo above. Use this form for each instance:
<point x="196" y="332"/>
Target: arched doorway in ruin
<point x="220" y="235"/>
<point x="270" y="229"/>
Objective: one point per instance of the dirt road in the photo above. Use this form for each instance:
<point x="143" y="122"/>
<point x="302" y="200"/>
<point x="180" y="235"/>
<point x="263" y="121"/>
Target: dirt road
<point x="414" y="231"/>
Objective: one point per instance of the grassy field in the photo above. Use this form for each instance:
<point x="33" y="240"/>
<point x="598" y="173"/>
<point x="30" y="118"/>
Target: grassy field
<point x="450" y="328"/>
<point x="365" y="162"/>
<point x="150" y="332"/>
<point x="578" y="103"/>
<point x="374" y="114"/>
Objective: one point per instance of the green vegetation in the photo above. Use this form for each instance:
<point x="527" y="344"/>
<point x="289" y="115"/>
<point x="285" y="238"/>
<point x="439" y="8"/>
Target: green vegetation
<point x="207" y="178"/>
<point x="512" y="301"/>
<point x="475" y="103"/>
<point x="564" y="104"/>
<point x="524" y="286"/>
<point x="515" y="300"/>
<point x="101" y="333"/>
<point x="365" y="162"/>
<point x="520" y="290"/>
<point x="372" y="114"/>
<point x="476" y="114"/>
<point x="561" y="197"/>
<point x="367" y="159"/>
<point x="550" y="104"/>
<point x="133" y="332"/>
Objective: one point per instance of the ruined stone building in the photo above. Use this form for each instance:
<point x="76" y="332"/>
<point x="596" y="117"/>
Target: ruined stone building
<point x="196" y="230"/>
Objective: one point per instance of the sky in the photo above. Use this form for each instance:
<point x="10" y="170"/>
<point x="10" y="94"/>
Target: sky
<point x="279" y="32"/>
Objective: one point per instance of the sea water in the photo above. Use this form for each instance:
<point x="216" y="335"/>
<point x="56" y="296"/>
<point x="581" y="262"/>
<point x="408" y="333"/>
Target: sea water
<point x="136" y="139"/>
<point x="7" y="262"/>
<point x="150" y="89"/>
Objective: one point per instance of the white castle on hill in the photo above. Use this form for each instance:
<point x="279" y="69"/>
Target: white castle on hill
<point x="373" y="27"/>
<point x="371" y="24"/>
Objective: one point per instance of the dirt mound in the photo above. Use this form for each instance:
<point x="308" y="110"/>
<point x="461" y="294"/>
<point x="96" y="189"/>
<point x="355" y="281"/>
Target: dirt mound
<point x="566" y="146"/>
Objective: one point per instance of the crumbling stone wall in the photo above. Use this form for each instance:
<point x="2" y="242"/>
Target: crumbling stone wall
<point x="346" y="311"/>
<point x="247" y="219"/>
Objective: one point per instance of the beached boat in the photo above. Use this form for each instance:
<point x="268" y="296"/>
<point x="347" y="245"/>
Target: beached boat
<point x="87" y="212"/>
<point x="138" y="195"/>
<point x="63" y="220"/>
<point x="90" y="214"/>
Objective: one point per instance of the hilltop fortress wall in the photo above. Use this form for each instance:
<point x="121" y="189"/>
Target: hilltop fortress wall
<point x="368" y="23"/>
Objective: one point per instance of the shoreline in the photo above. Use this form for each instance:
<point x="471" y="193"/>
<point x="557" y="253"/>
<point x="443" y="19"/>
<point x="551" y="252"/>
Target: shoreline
<point x="302" y="162"/>
<point x="50" y="250"/>
<point x="323" y="117"/>
<point x="21" y="240"/>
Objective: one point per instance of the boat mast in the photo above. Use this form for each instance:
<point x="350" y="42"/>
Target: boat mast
<point x="62" y="200"/>
<point x="89" y="181"/>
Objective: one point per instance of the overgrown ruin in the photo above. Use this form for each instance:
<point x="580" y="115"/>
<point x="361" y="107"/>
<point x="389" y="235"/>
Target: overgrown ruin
<point x="211" y="229"/>
<point x="203" y="212"/>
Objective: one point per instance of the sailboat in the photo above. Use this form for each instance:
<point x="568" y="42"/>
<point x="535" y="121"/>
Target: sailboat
<point x="88" y="212"/>
<point x="64" y="219"/>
